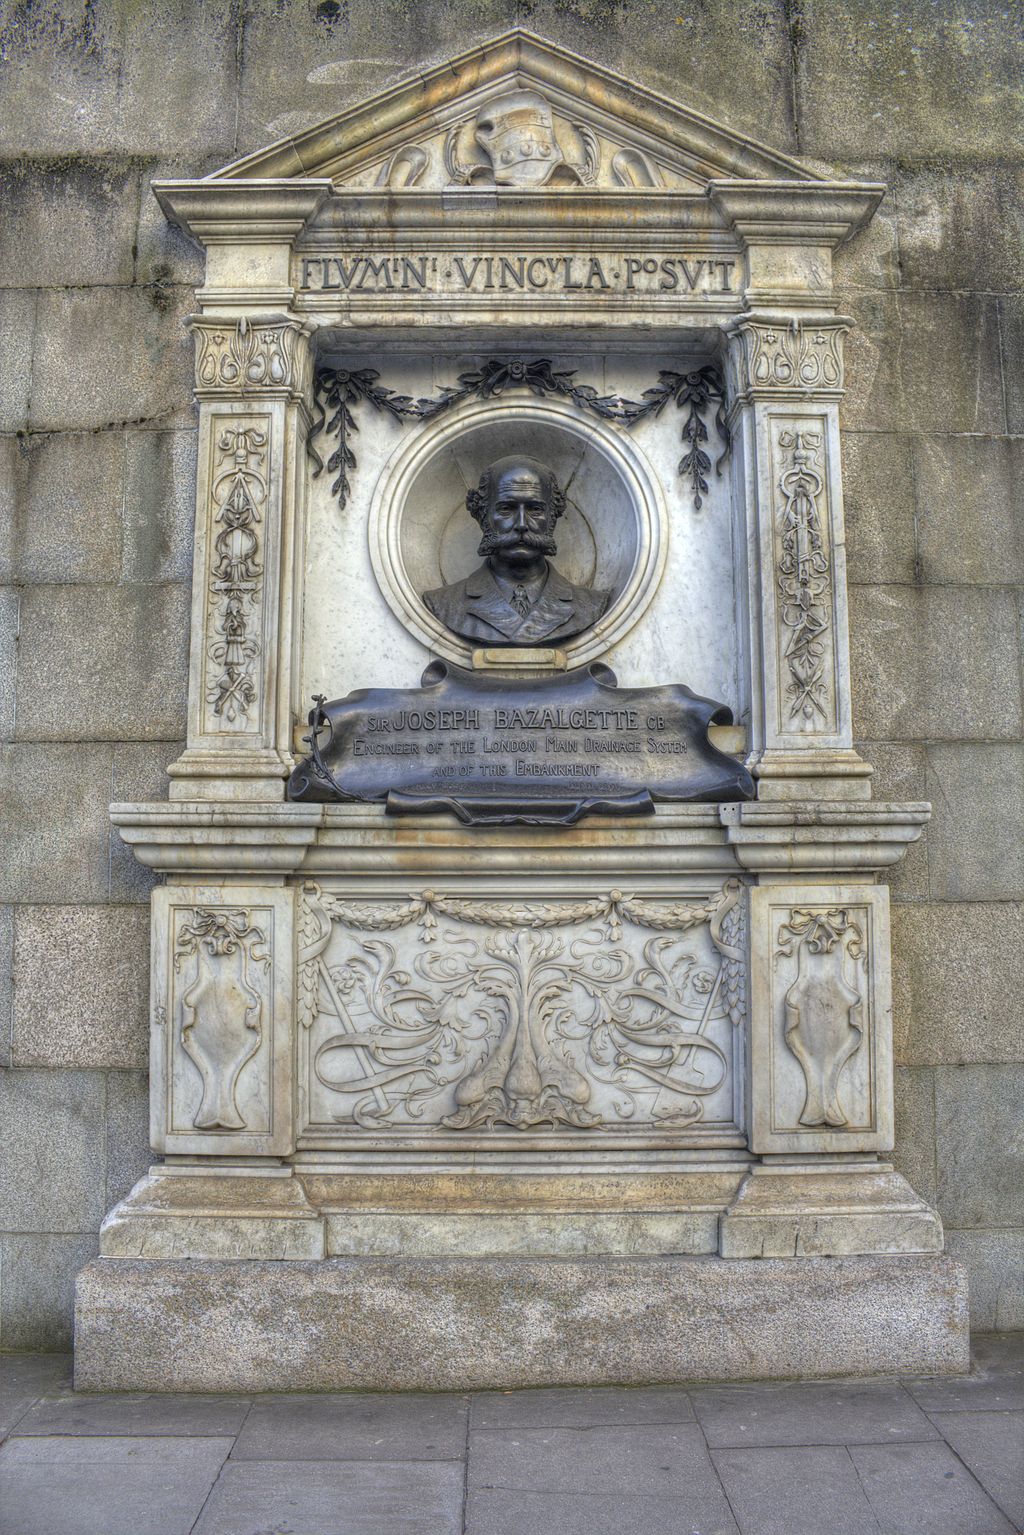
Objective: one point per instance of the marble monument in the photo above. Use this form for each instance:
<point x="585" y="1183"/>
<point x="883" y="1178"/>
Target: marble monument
<point x="444" y="1101"/>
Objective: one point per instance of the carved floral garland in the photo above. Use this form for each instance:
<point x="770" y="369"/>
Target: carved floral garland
<point x="337" y="390"/>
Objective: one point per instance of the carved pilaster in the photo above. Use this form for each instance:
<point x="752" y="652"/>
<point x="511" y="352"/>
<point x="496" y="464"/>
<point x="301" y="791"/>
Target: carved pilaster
<point x="821" y="1028"/>
<point x="221" y="1021"/>
<point x="253" y="380"/>
<point x="786" y="380"/>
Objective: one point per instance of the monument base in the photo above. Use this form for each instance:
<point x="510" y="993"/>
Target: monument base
<point x="456" y="1324"/>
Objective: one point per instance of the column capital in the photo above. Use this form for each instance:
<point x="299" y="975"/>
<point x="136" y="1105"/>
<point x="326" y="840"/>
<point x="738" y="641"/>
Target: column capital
<point x="246" y="357"/>
<point x="786" y="357"/>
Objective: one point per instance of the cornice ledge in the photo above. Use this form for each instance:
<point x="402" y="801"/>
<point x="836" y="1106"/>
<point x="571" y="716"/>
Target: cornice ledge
<point x="795" y="212"/>
<point x="241" y="210"/>
<point x="808" y="836"/>
<point x="200" y="837"/>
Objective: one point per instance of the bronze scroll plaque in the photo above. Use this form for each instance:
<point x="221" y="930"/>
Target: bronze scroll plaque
<point x="499" y="749"/>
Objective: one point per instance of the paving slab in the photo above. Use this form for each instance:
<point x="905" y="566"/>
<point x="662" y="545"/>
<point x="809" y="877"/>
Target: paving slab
<point x="653" y="1461"/>
<point x="355" y="1427"/>
<point x="992" y="1386"/>
<point x="500" y="1512"/>
<point x="143" y="1413"/>
<point x="23" y="1377"/>
<point x="924" y="1489"/>
<point x="579" y="1409"/>
<point x="335" y="1498"/>
<point x="111" y="1486"/>
<point x="991" y="1446"/>
<point x="795" y="1491"/>
<point x="836" y="1413"/>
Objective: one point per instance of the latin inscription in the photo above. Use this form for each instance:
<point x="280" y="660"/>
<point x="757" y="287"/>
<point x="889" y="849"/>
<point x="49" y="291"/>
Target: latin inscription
<point x="681" y="275"/>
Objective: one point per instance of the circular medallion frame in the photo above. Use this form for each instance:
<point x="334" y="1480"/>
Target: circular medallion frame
<point x="621" y="544"/>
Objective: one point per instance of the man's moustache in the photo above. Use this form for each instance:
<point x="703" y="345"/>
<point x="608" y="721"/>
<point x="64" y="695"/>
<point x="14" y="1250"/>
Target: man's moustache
<point x="495" y="543"/>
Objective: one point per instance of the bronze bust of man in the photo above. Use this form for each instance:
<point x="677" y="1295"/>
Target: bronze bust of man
<point x="516" y="597"/>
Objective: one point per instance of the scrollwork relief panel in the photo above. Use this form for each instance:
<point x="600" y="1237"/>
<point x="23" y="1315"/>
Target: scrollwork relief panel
<point x="612" y="1015"/>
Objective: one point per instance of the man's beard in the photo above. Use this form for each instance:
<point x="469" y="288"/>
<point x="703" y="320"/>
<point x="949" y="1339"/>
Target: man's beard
<point x="498" y="543"/>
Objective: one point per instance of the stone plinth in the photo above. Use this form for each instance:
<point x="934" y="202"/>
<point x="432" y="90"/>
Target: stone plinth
<point x="456" y="1323"/>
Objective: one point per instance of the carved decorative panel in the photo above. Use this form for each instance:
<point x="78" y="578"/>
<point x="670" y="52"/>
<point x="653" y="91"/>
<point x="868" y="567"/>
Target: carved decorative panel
<point x="804" y="578"/>
<point x="612" y="1015"/>
<point x="236" y="358"/>
<point x="820" y="1033"/>
<point x="782" y="358"/>
<point x="239" y="484"/>
<point x="220" y="1035"/>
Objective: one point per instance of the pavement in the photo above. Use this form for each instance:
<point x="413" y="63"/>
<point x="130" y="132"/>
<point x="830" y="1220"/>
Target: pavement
<point x="935" y="1456"/>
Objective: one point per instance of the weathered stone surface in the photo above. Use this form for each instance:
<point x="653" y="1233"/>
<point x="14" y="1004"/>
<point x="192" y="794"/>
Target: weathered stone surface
<point x="441" y="1324"/>
<point x="6" y="980"/>
<point x="871" y="259"/>
<point x="81" y="986"/>
<point x="914" y="1153"/>
<point x="937" y="662"/>
<point x="878" y="499"/>
<point x="958" y="976"/>
<point x="923" y="362"/>
<point x="125" y="648"/>
<point x="9" y="609"/>
<point x="57" y="829"/>
<point x="734" y="59"/>
<point x="582" y="1234"/>
<point x="1011" y="330"/>
<point x="163" y="253"/>
<point x="120" y="80"/>
<point x="51" y="1146"/>
<point x="995" y="1265"/>
<point x="809" y="1213"/>
<point x="900" y="774"/>
<point x="140" y="773"/>
<point x="979" y="1137"/>
<point x="17" y="322"/>
<point x="132" y="357"/>
<point x="69" y="223"/>
<point x="961" y="227"/>
<point x="159" y="506"/>
<point x="877" y="80"/>
<point x="976" y="835"/>
<point x="62" y="493"/>
<point x="193" y="1217"/>
<point x="37" y="1287"/>
<point x="127" y="1126"/>
<point x="970" y="509"/>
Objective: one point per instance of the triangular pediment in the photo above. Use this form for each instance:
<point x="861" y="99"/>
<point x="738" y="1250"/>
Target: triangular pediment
<point x="518" y="114"/>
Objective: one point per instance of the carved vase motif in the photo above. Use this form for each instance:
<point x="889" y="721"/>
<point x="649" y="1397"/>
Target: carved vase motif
<point x="222" y="1010"/>
<point x="823" y="1022"/>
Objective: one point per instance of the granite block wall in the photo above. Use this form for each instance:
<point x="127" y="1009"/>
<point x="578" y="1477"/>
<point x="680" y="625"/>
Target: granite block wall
<point x="97" y="445"/>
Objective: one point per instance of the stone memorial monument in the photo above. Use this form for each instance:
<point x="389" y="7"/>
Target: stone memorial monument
<point x="522" y="1015"/>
